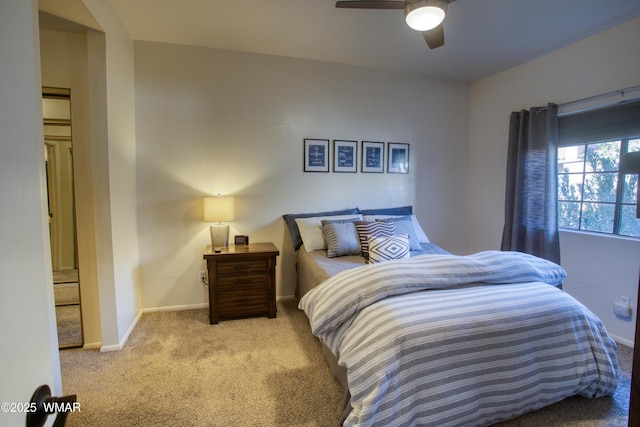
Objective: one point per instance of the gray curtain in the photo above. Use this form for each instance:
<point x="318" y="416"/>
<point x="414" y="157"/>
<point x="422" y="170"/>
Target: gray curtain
<point x="531" y="202"/>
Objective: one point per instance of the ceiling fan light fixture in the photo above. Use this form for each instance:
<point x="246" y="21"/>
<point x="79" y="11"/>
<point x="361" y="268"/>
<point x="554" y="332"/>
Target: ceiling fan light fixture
<point x="424" y="15"/>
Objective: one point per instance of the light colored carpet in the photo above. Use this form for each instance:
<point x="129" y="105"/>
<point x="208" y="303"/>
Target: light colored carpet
<point x="177" y="369"/>
<point x="68" y="318"/>
<point x="65" y="276"/>
<point x="69" y="325"/>
<point x="66" y="293"/>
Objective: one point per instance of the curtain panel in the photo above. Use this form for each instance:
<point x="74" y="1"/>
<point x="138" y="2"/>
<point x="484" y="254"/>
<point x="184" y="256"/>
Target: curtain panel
<point x="531" y="200"/>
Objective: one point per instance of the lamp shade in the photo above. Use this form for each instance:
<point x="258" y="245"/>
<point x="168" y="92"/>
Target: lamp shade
<point x="219" y="209"/>
<point x="425" y="15"/>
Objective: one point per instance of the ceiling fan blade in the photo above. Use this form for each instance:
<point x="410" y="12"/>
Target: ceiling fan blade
<point x="434" y="37"/>
<point x="372" y="4"/>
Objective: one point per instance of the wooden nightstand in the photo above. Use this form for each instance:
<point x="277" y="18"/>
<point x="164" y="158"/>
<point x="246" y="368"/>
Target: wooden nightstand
<point x="242" y="281"/>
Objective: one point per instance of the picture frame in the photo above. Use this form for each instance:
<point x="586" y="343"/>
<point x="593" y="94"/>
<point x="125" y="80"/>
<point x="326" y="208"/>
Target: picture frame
<point x="397" y="157"/>
<point x="345" y="156"/>
<point x="316" y="155"/>
<point x="372" y="157"/>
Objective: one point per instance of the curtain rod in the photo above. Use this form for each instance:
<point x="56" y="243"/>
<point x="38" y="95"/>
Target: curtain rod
<point x="620" y="92"/>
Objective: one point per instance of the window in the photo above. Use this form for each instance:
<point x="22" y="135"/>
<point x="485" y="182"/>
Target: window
<point x="592" y="194"/>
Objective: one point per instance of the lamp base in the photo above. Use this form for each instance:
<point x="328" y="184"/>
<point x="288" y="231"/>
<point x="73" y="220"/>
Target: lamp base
<point x="219" y="236"/>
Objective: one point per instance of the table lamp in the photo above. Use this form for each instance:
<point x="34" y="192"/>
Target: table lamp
<point x="219" y="210"/>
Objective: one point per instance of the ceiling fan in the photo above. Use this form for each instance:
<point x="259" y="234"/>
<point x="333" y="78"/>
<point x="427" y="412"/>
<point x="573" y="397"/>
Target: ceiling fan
<point x="421" y="15"/>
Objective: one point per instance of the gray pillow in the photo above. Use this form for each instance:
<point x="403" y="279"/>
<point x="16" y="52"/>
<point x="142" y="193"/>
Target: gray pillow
<point x="290" y="220"/>
<point x="342" y="238"/>
<point x="404" y="225"/>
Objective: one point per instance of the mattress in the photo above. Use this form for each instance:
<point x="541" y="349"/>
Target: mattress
<point x="315" y="267"/>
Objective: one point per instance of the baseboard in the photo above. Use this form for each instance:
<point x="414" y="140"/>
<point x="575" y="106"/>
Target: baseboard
<point x="92" y="345"/>
<point x="125" y="338"/>
<point x="197" y="306"/>
<point x="122" y="343"/>
<point x="175" y="307"/>
<point x="622" y="341"/>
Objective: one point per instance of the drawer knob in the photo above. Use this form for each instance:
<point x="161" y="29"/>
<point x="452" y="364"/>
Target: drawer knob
<point x="242" y="300"/>
<point x="243" y="281"/>
<point x="242" y="266"/>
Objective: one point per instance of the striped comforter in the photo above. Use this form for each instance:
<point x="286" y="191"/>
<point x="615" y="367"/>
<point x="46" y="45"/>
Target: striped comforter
<point x="443" y="340"/>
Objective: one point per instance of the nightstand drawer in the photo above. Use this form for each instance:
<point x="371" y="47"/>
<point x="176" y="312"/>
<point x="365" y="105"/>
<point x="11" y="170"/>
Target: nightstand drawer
<point x="242" y="302"/>
<point x="242" y="266"/>
<point x="242" y="281"/>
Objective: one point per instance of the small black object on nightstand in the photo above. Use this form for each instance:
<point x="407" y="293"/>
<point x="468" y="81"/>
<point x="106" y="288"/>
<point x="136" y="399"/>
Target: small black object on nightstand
<point x="241" y="240"/>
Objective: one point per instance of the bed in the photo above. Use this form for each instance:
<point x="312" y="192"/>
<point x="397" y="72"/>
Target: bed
<point x="445" y="340"/>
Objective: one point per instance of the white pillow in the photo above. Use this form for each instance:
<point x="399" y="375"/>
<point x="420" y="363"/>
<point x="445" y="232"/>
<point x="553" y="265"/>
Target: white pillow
<point x="420" y="234"/>
<point x="311" y="230"/>
<point x="383" y="249"/>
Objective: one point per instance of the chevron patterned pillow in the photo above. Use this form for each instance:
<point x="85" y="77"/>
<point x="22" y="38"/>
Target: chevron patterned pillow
<point x="387" y="248"/>
<point x="382" y="228"/>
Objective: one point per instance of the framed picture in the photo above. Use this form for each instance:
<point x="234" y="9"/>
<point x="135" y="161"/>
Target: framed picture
<point x="316" y="155"/>
<point x="345" y="155"/>
<point x="398" y="158"/>
<point x="372" y="156"/>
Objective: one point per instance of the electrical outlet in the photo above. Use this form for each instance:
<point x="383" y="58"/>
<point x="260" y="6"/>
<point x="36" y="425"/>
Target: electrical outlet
<point x="202" y="276"/>
<point x="622" y="308"/>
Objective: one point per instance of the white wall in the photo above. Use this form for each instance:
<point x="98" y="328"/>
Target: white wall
<point x="604" y="62"/>
<point x="599" y="270"/>
<point x="211" y="121"/>
<point x="112" y="86"/>
<point x="29" y="355"/>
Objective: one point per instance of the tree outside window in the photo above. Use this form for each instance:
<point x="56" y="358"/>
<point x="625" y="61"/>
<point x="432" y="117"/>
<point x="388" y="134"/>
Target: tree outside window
<point x="592" y="194"/>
